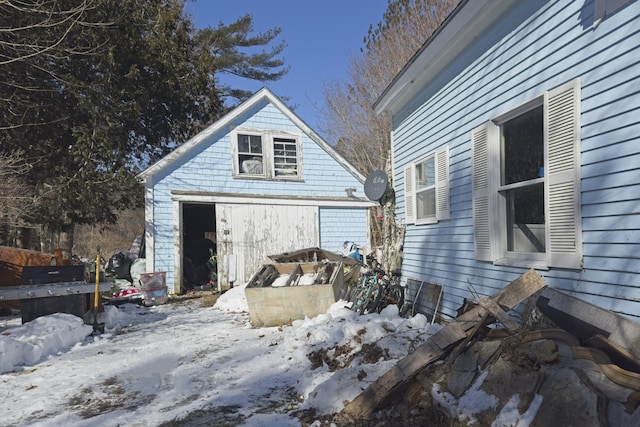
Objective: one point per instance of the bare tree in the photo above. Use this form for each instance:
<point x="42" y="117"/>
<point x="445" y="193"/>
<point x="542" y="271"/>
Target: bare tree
<point x="110" y="238"/>
<point x="348" y="119"/>
<point x="16" y="42"/>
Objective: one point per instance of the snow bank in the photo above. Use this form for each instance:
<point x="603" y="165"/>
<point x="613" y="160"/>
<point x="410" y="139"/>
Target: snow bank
<point x="30" y="343"/>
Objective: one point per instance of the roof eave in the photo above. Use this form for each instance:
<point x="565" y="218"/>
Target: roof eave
<point x="464" y="24"/>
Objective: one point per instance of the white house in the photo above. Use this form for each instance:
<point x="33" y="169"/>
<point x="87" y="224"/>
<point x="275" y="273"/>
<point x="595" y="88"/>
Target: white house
<point x="516" y="145"/>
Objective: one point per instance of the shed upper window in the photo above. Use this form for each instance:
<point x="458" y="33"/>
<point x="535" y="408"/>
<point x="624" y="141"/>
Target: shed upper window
<point x="285" y="157"/>
<point x="250" y="158"/>
<point x="266" y="155"/>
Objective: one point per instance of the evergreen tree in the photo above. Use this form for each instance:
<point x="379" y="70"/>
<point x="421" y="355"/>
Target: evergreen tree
<point x="95" y="93"/>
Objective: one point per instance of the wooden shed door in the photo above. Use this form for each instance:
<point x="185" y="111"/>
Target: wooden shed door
<point x="247" y="234"/>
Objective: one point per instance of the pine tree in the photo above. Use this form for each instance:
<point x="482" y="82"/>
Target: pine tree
<point x="95" y="93"/>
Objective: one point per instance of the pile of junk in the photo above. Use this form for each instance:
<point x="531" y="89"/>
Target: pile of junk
<point x="131" y="283"/>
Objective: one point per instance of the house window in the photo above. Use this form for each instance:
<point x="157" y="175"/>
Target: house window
<point x="250" y="158"/>
<point x="522" y="181"/>
<point x="427" y="188"/>
<point x="285" y="157"/>
<point x="266" y="155"/>
<point x="526" y="183"/>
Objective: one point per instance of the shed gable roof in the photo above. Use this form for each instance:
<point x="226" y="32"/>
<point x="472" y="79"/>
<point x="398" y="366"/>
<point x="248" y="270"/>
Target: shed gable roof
<point x="259" y="96"/>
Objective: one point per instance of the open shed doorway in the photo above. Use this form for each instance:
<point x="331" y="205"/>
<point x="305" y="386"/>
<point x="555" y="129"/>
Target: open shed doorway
<point x="199" y="248"/>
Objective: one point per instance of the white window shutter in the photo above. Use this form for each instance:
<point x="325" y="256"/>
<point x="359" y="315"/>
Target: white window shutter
<point x="409" y="195"/>
<point x="562" y="171"/>
<point x="484" y="191"/>
<point x="442" y="184"/>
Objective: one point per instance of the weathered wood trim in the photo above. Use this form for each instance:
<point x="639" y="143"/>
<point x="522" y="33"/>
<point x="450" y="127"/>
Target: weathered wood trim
<point x="259" y="199"/>
<point x="585" y="320"/>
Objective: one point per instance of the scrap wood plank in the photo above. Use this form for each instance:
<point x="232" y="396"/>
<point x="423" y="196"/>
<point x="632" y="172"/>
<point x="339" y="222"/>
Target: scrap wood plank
<point x="500" y="315"/>
<point x="585" y="320"/>
<point x="297" y="272"/>
<point x="435" y="347"/>
<point x="618" y="354"/>
<point x="469" y="336"/>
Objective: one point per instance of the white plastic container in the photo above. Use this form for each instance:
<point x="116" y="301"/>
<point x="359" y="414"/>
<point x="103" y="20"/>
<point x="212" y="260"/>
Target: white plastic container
<point x="154" y="288"/>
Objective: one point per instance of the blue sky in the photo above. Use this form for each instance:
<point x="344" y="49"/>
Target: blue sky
<point x="321" y="36"/>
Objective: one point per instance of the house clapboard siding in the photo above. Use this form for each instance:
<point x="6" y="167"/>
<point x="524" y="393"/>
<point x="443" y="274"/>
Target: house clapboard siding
<point x="254" y="216"/>
<point x="533" y="47"/>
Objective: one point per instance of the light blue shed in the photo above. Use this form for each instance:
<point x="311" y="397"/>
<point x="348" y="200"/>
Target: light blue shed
<point x="516" y="145"/>
<point x="257" y="182"/>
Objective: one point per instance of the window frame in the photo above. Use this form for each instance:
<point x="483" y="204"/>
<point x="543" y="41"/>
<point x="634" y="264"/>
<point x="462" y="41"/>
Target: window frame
<point x="513" y="257"/>
<point x="269" y="140"/>
<point x="237" y="154"/>
<point x="562" y="199"/>
<point x="441" y="187"/>
<point x="278" y="139"/>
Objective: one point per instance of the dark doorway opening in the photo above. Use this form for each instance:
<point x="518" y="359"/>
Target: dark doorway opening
<point x="199" y="251"/>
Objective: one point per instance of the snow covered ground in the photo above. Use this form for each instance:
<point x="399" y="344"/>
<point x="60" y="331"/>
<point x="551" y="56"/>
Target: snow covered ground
<point x="160" y="364"/>
<point x="186" y="364"/>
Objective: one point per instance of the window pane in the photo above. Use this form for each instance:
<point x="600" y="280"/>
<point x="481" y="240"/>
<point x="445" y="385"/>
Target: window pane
<point x="250" y="165"/>
<point x="525" y="219"/>
<point x="426" y="203"/>
<point x="249" y="144"/>
<point x="243" y="143"/>
<point x="426" y="173"/>
<point x="256" y="144"/>
<point x="523" y="153"/>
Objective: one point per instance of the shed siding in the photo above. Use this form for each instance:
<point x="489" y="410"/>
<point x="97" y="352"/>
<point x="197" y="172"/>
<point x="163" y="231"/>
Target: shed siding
<point x="207" y="167"/>
<point x="252" y="229"/>
<point x="163" y="233"/>
<point x="552" y="46"/>
<point x="340" y="225"/>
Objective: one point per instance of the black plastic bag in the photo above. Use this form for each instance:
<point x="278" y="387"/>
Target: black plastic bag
<point x="119" y="265"/>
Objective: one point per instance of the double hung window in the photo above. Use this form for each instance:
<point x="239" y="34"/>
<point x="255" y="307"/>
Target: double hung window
<point x="250" y="155"/>
<point x="526" y="183"/>
<point x="427" y="188"/>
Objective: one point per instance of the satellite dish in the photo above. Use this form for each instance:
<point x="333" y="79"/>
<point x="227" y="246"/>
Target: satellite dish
<point x="376" y="185"/>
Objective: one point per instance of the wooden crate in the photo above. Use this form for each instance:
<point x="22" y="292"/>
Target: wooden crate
<point x="274" y="306"/>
